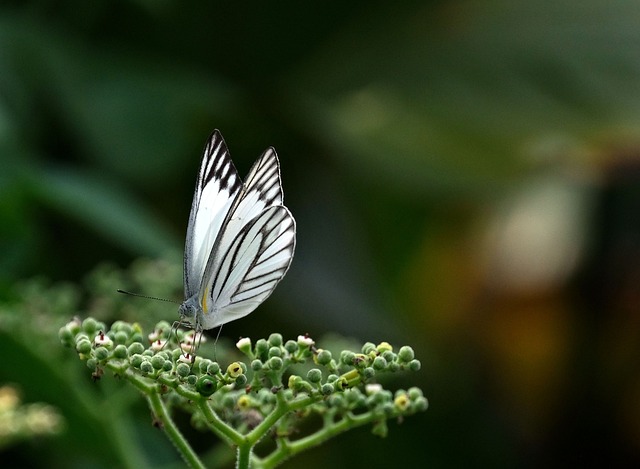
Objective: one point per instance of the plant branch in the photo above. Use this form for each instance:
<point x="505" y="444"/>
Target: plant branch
<point x="160" y="412"/>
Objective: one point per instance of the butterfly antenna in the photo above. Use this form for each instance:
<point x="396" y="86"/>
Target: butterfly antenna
<point x="146" y="296"/>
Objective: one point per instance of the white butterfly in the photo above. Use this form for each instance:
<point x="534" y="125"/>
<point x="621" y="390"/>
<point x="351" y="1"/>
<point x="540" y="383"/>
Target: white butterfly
<point x="240" y="239"/>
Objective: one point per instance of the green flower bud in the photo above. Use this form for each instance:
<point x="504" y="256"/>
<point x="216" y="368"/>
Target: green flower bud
<point x="66" y="336"/>
<point x="101" y="353"/>
<point x="275" y="352"/>
<point x="331" y="378"/>
<point x="262" y="347"/>
<point x="393" y="367"/>
<point x="92" y="363"/>
<point x="157" y="361"/>
<point x="327" y="389"/>
<point x="275" y="340"/>
<point x="421" y="404"/>
<point x="415" y="365"/>
<point x="384" y="346"/>
<point x="234" y="370"/>
<point x="136" y="360"/>
<point x="389" y="356"/>
<point x="414" y="393"/>
<point x="228" y="401"/>
<point x="146" y="367"/>
<point x="83" y="346"/>
<point x="347" y="357"/>
<point x="135" y="348"/>
<point x="126" y="328"/>
<point x="360" y="402"/>
<point x="323" y="357"/>
<point x="379" y="397"/>
<point x="120" y="337"/>
<point x="183" y="370"/>
<point x="203" y="365"/>
<point x="291" y="346"/>
<point x="266" y="397"/>
<point x="352" y="395"/>
<point x="74" y="326"/>
<point x="120" y="352"/>
<point x="275" y="363"/>
<point x="167" y="366"/>
<point x="314" y="375"/>
<point x="294" y="382"/>
<point x="256" y="365"/>
<point x="192" y="380"/>
<point x="368" y="372"/>
<point x="136" y="337"/>
<point x="163" y="327"/>
<point x="379" y="363"/>
<point x="405" y="354"/>
<point x="336" y="400"/>
<point x="388" y="408"/>
<point x="213" y="368"/>
<point x="90" y="326"/>
<point x="368" y="347"/>
<point x="241" y="380"/>
<point x="206" y="385"/>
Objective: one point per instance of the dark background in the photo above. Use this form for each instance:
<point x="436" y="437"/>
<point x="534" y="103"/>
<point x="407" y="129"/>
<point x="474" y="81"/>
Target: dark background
<point x="465" y="177"/>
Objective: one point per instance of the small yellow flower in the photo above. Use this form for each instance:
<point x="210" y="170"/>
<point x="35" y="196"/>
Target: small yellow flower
<point x="244" y="402"/>
<point x="401" y="401"/>
<point x="234" y="370"/>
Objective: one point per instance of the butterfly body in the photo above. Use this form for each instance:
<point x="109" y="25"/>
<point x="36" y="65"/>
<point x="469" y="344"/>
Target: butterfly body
<point x="240" y="238"/>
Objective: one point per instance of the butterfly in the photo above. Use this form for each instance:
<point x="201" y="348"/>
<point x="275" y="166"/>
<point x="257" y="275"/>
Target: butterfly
<point x="240" y="238"/>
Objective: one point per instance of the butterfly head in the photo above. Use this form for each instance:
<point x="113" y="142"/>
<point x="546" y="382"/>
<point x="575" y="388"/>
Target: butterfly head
<point x="189" y="310"/>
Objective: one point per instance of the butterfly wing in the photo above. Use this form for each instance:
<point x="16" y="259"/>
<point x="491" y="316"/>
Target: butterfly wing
<point x="262" y="189"/>
<point x="217" y="188"/>
<point x="250" y="268"/>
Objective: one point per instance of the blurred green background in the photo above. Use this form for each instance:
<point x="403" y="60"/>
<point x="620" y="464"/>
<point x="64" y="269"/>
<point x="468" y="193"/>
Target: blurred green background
<point x="465" y="178"/>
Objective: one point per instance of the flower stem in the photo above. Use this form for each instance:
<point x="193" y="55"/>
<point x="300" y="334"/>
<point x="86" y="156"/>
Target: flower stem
<point x="172" y="432"/>
<point x="244" y="456"/>
<point x="287" y="448"/>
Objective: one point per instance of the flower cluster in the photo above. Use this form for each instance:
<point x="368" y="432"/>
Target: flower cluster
<point x="282" y="382"/>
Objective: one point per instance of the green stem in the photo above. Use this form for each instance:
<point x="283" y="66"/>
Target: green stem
<point x="287" y="448"/>
<point x="224" y="431"/>
<point x="281" y="408"/>
<point x="244" y="456"/>
<point x="160" y="412"/>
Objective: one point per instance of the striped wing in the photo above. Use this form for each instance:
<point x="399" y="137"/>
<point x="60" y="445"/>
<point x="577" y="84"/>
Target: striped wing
<point x="261" y="189"/>
<point x="250" y="267"/>
<point x="217" y="188"/>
